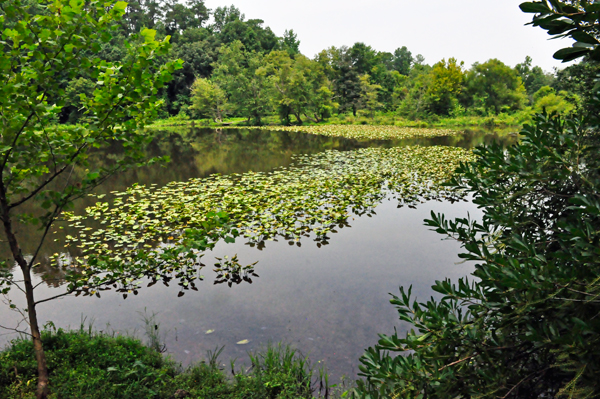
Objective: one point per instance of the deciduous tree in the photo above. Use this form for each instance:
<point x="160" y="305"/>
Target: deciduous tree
<point x="209" y="100"/>
<point x="446" y="84"/>
<point x="243" y="76"/>
<point x="45" y="166"/>
<point x="498" y="85"/>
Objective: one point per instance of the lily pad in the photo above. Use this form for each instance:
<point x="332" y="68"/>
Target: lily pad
<point x="147" y="229"/>
<point x="362" y="132"/>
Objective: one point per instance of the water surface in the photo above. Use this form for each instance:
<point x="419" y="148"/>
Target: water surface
<point x="328" y="302"/>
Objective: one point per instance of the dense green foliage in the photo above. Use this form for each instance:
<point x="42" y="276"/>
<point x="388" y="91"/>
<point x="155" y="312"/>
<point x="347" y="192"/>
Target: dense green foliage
<point x="260" y="74"/>
<point x="525" y="326"/>
<point x="88" y="365"/>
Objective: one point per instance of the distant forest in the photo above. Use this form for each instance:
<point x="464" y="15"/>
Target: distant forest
<point x="235" y="66"/>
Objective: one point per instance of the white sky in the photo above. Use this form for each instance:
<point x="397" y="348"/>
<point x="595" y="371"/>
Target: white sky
<point x="469" y="30"/>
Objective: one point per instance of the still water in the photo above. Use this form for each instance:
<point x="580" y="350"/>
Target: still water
<point x="328" y="302"/>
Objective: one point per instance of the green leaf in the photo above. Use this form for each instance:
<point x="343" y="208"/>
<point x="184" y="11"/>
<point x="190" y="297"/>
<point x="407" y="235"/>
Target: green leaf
<point x="584" y="37"/>
<point x="534" y="7"/>
<point x="570" y="54"/>
<point x="148" y="35"/>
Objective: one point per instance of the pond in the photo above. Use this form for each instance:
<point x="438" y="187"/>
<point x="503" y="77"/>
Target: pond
<point x="330" y="302"/>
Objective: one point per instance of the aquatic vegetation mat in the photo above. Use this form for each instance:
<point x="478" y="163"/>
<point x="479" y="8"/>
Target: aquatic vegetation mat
<point x="311" y="198"/>
<point x="363" y="132"/>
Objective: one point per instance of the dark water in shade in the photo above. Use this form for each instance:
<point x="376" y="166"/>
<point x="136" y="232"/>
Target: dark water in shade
<point x="329" y="302"/>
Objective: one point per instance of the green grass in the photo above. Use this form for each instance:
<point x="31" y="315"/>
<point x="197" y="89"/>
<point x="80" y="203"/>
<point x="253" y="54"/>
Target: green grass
<point x="88" y="365"/>
<point x="380" y="118"/>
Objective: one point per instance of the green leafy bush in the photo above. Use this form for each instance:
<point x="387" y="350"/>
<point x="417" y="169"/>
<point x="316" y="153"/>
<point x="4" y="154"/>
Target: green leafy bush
<point x="85" y="365"/>
<point x="88" y="365"/>
<point x="526" y="324"/>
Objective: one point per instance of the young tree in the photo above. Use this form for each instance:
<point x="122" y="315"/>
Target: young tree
<point x="446" y="84"/>
<point x="209" y="100"/>
<point x="44" y="166"/>
<point x="369" y="95"/>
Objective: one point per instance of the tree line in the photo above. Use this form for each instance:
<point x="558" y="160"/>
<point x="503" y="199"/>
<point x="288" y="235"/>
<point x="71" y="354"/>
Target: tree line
<point x="235" y="66"/>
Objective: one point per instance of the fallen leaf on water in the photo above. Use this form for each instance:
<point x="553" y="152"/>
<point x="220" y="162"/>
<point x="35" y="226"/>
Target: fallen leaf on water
<point x="209" y="331"/>
<point x="242" y="342"/>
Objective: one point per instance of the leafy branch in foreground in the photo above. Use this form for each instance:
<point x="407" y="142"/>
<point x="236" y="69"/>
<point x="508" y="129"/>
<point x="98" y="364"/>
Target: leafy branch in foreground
<point x="45" y="166"/>
<point x="577" y="20"/>
<point x="526" y="324"/>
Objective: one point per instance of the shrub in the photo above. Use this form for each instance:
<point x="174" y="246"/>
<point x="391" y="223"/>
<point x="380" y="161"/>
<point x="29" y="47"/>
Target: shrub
<point x="526" y="324"/>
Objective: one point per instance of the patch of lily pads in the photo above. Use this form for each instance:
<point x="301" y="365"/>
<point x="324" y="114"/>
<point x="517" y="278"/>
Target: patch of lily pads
<point x="161" y="232"/>
<point x="364" y="132"/>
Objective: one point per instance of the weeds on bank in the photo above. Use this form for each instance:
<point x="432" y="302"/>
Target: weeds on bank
<point x="378" y="119"/>
<point x="85" y="364"/>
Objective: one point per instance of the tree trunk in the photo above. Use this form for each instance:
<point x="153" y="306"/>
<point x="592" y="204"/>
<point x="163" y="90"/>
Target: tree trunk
<point x="314" y="119"/>
<point x="40" y="356"/>
<point x="257" y="119"/>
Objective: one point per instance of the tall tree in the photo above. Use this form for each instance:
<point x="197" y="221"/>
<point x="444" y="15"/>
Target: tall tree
<point x="225" y="15"/>
<point x="243" y="76"/>
<point x="363" y="58"/>
<point x="339" y="64"/>
<point x="533" y="77"/>
<point x="445" y="86"/>
<point x="498" y="85"/>
<point x="301" y="87"/>
<point x="290" y="42"/>
<point x="403" y="60"/>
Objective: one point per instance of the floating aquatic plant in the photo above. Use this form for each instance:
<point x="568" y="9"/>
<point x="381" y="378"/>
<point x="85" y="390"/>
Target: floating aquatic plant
<point x="362" y="132"/>
<point x="161" y="232"/>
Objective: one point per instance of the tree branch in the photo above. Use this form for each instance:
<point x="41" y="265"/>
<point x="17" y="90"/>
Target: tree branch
<point x="52" y="218"/>
<point x="457" y="362"/>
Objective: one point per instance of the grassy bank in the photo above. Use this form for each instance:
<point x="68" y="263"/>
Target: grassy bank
<point x="88" y="365"/>
<point x="389" y="119"/>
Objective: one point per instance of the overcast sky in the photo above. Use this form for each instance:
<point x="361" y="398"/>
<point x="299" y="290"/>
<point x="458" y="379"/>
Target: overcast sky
<point x="470" y="30"/>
